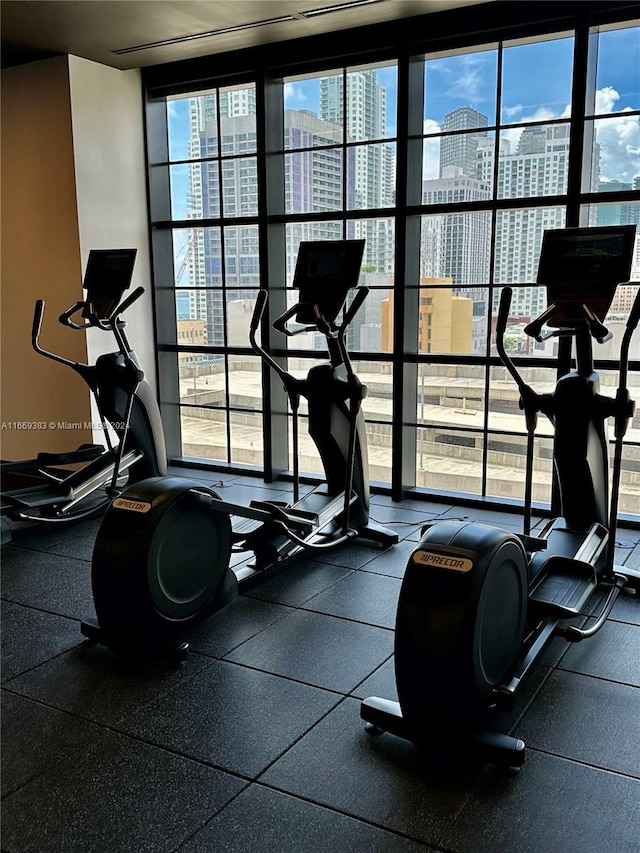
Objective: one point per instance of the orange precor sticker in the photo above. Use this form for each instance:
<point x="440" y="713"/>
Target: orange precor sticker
<point x="131" y="506"/>
<point x="443" y="561"/>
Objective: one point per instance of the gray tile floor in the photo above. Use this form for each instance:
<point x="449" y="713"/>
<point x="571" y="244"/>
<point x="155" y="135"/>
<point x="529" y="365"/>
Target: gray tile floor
<point x="255" y="744"/>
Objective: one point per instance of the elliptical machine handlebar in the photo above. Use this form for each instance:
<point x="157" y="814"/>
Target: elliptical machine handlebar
<point x="93" y="321"/>
<point x="501" y="327"/>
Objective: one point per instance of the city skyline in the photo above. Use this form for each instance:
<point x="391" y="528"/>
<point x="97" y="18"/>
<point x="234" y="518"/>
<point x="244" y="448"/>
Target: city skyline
<point x="533" y="161"/>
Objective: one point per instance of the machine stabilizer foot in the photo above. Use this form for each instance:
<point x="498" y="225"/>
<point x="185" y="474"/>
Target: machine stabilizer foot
<point x="383" y="715"/>
<point x="167" y="652"/>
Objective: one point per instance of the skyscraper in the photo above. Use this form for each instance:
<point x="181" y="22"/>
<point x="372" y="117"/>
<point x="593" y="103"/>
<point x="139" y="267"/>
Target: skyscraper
<point x="459" y="149"/>
<point x="370" y="168"/>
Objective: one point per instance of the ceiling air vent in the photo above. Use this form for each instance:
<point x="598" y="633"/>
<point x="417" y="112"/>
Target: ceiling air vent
<point x="222" y="31"/>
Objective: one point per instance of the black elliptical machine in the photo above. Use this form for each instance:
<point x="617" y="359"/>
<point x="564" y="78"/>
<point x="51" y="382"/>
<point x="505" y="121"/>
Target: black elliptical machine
<point x="478" y="605"/>
<point x="43" y="489"/>
<point x="161" y="562"/>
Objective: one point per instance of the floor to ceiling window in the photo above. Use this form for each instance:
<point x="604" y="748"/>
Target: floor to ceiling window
<point x="451" y="164"/>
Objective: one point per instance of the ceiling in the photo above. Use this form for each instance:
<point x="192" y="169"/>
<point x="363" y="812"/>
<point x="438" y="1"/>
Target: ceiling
<point x="100" y="30"/>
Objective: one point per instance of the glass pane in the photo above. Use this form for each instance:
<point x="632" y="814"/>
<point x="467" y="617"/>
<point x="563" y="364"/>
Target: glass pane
<point x="518" y="242"/>
<point x="314" y="112"/>
<point x="245" y="382"/>
<point x="450" y="394"/>
<point x="300" y="366"/>
<point x="197" y="258"/>
<point x="616" y="213"/>
<point x="241" y="259"/>
<point x="371" y="102"/>
<point x="372" y="327"/>
<point x="612" y="163"/>
<point x="379" y="451"/>
<point x="534" y="161"/>
<point x="195" y="191"/>
<point x="296" y="232"/>
<point x="202" y="375"/>
<point x="239" y="187"/>
<point x="204" y="433"/>
<point x="313" y="181"/>
<point x="371" y="176"/>
<point x="379" y="446"/>
<point x="458" y="168"/>
<point x="378" y="377"/>
<point x="247" y="443"/>
<point x="450" y="321"/>
<point x="238" y="120"/>
<point x="239" y="308"/>
<point x="527" y="302"/>
<point x="192" y="126"/>
<point x="449" y="460"/>
<point x="467" y="80"/>
<point x="379" y="249"/>
<point x="308" y="456"/>
<point x="618" y="75"/>
<point x="454" y="248"/>
<point x="536" y="81"/>
<point x="506" y="468"/>
<point x="505" y="414"/>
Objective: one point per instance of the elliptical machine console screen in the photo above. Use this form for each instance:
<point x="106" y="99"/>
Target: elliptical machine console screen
<point x="108" y="275"/>
<point x="583" y="266"/>
<point x="325" y="272"/>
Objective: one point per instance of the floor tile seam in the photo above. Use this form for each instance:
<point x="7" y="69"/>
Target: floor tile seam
<point x="351" y="695"/>
<point x="582" y="763"/>
<point x="74" y="714"/>
<point x="174" y="751"/>
<point x="598" y="677"/>
<point x="70" y="756"/>
<point x="33" y="550"/>
<point x="301" y="608"/>
<point x="163" y="691"/>
<point x="201" y="828"/>
<point x="299" y="737"/>
<point x="210" y="656"/>
<point x="315" y="594"/>
<point x="347" y="619"/>
<point x="619" y="621"/>
<point x="531" y="701"/>
<point x="379" y="574"/>
<point x="271" y="786"/>
<point x="285" y="678"/>
<point x="77" y="619"/>
<point x="5" y="684"/>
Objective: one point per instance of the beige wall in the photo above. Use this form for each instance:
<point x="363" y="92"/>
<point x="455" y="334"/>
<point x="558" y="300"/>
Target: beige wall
<point x="108" y="137"/>
<point x="40" y="259"/>
<point x="73" y="179"/>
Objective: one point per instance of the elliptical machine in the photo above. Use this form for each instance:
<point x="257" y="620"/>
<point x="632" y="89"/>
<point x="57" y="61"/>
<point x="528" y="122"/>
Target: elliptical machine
<point x="478" y="605"/>
<point x="42" y="489"/>
<point x="161" y="558"/>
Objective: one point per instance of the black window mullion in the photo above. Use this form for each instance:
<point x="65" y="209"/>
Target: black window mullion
<point x="584" y="71"/>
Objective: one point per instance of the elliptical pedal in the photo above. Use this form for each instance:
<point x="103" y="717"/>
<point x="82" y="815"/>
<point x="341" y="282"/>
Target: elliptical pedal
<point x="566" y="587"/>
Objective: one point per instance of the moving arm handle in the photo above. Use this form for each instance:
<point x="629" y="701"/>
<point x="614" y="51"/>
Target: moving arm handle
<point x="352" y="310"/>
<point x="291" y="384"/>
<point x="501" y="326"/>
<point x="632" y="323"/>
<point x="38" y="314"/>
<point x="530" y="401"/>
<point x="128" y="302"/>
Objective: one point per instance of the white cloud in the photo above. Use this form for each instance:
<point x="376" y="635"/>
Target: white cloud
<point x="618" y="138"/>
<point x="606" y="99"/>
<point x="293" y="94"/>
<point x="431" y="151"/>
<point x="465" y="73"/>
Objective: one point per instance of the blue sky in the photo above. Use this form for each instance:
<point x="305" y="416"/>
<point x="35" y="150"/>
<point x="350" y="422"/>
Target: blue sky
<point x="536" y="86"/>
